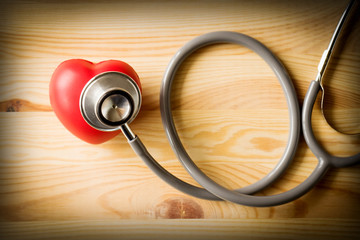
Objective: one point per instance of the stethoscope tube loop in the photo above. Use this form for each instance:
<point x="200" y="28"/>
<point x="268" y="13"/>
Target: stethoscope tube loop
<point x="175" y="142"/>
<point x="214" y="191"/>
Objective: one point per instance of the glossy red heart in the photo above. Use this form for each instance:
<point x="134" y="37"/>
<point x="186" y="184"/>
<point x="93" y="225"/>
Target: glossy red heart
<point x="66" y="85"/>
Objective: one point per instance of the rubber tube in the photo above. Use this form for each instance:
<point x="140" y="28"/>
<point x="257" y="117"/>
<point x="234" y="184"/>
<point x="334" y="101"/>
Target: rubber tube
<point x="309" y="136"/>
<point x="280" y="72"/>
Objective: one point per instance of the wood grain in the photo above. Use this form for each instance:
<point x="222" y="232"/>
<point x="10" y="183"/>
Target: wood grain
<point x="189" y="229"/>
<point x="228" y="107"/>
<point x="48" y="174"/>
<point x="32" y="45"/>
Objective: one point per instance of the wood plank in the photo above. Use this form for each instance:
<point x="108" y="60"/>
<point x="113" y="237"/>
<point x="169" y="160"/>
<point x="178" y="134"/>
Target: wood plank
<point x="34" y="42"/>
<point x="189" y="229"/>
<point x="48" y="174"/>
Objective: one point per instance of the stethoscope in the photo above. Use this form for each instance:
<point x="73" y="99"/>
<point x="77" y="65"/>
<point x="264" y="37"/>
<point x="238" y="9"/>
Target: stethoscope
<point x="110" y="101"/>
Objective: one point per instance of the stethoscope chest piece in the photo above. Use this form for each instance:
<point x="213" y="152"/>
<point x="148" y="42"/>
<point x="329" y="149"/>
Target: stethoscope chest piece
<point x="109" y="100"/>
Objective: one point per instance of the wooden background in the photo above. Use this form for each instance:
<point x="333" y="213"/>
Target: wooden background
<point x="229" y="109"/>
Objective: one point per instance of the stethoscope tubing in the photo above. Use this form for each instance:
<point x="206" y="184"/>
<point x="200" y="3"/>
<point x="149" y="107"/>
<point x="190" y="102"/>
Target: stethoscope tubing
<point x="313" y="144"/>
<point x="280" y="72"/>
<point x="214" y="191"/>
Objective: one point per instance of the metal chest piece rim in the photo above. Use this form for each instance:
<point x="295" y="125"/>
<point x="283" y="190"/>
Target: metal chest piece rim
<point x="109" y="100"/>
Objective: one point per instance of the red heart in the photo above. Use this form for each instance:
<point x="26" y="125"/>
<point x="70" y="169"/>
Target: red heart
<point x="66" y="85"/>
